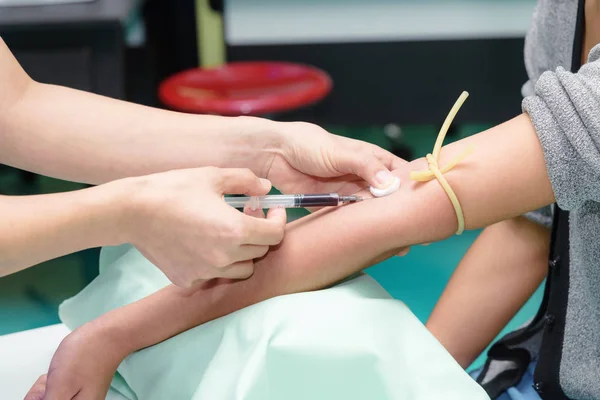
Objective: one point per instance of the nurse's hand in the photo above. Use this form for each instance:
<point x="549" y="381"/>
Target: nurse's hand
<point x="312" y="160"/>
<point x="179" y="221"/>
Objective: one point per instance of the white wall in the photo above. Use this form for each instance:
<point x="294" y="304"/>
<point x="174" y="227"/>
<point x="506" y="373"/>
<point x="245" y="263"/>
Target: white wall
<point x="250" y="22"/>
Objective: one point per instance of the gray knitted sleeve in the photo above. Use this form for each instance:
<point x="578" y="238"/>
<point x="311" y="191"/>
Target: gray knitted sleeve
<point x="565" y="111"/>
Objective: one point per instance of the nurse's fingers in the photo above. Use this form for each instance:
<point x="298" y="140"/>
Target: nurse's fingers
<point x="363" y="164"/>
<point x="389" y="159"/>
<point x="238" y="270"/>
<point x="268" y="231"/>
<point x="248" y="252"/>
<point x="370" y="162"/>
<point x="242" y="181"/>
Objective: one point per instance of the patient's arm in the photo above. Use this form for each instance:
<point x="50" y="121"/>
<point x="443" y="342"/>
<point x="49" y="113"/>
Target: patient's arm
<point x="508" y="257"/>
<point x="504" y="177"/>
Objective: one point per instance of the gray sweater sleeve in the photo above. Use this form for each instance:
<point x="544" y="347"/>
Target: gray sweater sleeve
<point x="565" y="112"/>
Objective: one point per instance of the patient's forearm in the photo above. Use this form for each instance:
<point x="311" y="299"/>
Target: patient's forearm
<point x="504" y="177"/>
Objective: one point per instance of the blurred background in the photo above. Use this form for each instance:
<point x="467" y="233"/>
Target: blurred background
<point x="396" y="68"/>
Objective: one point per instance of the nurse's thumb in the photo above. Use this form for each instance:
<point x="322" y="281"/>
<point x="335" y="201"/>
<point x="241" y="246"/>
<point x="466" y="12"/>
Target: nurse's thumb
<point x="242" y="181"/>
<point x="369" y="168"/>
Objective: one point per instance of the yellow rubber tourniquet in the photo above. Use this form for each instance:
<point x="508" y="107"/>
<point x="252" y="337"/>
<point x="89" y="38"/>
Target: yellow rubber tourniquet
<point x="435" y="171"/>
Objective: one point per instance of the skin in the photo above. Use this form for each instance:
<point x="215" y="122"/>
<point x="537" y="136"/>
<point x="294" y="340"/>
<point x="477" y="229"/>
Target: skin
<point x="487" y="184"/>
<point x="592" y="28"/>
<point x="157" y="178"/>
<point x="508" y="257"/>
<point x="121" y="340"/>
<point x="37" y="228"/>
<point x="82" y="137"/>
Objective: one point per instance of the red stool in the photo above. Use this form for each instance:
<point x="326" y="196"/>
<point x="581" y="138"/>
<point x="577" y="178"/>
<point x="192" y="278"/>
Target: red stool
<point x="245" y="88"/>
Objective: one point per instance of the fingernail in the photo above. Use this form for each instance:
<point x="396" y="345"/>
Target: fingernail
<point x="265" y="182"/>
<point x="384" y="177"/>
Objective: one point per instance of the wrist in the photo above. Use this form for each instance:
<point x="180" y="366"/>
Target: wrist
<point x="104" y="338"/>
<point x="116" y="210"/>
<point x="254" y="144"/>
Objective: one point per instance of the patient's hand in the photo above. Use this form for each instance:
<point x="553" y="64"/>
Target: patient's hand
<point x="82" y="367"/>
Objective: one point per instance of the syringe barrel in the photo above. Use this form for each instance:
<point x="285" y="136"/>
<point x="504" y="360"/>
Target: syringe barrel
<point x="285" y="201"/>
<point x="319" y="200"/>
<point x="268" y="201"/>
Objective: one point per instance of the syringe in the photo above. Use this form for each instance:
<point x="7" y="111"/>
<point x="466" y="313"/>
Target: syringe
<point x="291" y="200"/>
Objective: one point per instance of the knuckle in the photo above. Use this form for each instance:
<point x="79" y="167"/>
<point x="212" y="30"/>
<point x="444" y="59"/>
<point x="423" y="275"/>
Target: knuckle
<point x="247" y="171"/>
<point x="211" y="175"/>
<point x="236" y="233"/>
<point x="239" y="229"/>
<point x="232" y="231"/>
<point x="247" y="174"/>
<point x="220" y="259"/>
<point x="300" y="124"/>
<point x="365" y="160"/>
